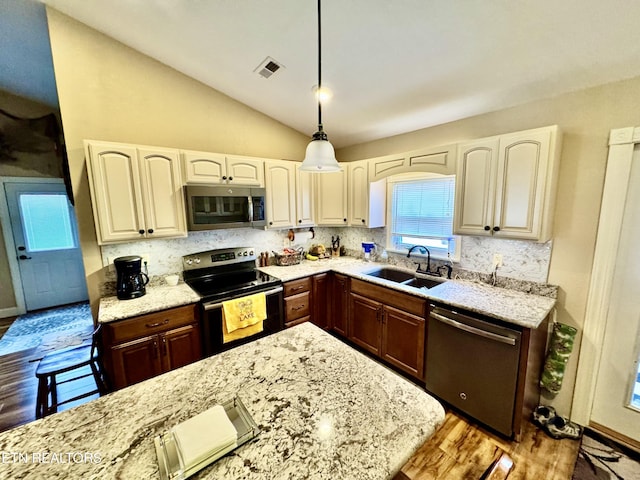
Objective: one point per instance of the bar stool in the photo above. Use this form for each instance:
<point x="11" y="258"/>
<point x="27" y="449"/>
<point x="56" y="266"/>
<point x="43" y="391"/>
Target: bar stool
<point x="62" y="361"/>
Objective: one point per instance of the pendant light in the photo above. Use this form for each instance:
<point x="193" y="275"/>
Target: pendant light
<point x="320" y="156"/>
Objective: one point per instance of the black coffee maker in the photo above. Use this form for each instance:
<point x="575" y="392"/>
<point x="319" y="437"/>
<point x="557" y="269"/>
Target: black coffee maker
<point x="131" y="281"/>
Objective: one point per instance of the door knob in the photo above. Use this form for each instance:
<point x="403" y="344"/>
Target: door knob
<point x="24" y="257"/>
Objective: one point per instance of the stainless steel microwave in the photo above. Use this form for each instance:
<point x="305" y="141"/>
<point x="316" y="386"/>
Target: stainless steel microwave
<point x="224" y="206"/>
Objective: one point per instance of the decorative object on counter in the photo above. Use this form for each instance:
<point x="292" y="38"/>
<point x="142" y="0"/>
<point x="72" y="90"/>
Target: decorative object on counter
<point x="560" y="348"/>
<point x="312" y="232"/>
<point x="201" y="440"/>
<point x="343" y="251"/>
<point x="318" y="250"/>
<point x="289" y="256"/>
<point x="131" y="281"/>
<point x="335" y="246"/>
<point x="291" y="235"/>
<point x="320" y="156"/>
<point x="368" y="247"/>
<point x="172" y="280"/>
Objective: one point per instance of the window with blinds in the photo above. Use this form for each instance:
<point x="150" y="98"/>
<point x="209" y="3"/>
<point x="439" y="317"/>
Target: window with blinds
<point x="421" y="213"/>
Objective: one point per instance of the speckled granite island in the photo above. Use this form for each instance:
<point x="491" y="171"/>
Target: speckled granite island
<point x="324" y="410"/>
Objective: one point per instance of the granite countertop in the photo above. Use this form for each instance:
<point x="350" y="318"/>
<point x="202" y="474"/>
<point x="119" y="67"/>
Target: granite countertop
<point x="324" y="410"/>
<point x="520" y="308"/>
<point x="156" y="298"/>
<point x="513" y="306"/>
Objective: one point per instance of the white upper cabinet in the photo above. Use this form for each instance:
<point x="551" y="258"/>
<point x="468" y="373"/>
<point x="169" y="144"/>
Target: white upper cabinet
<point x="215" y="168"/>
<point x="367" y="201"/>
<point x="305" y="198"/>
<point x="280" y="179"/>
<point x="505" y="185"/>
<point x="331" y="198"/>
<point x="441" y="159"/>
<point x="136" y="192"/>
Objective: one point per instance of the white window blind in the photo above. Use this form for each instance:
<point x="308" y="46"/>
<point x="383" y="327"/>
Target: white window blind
<point x="422" y="214"/>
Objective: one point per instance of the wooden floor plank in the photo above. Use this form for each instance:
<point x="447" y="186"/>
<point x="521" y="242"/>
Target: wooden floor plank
<point x="461" y="449"/>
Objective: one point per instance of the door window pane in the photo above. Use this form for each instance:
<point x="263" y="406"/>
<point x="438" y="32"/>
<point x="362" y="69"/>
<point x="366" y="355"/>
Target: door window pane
<point x="47" y="225"/>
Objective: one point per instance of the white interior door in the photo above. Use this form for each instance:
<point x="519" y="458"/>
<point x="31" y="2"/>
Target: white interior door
<point x="46" y="241"/>
<point x="616" y="404"/>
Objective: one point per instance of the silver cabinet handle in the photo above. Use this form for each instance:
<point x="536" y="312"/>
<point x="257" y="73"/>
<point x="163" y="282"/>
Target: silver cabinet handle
<point x="473" y="330"/>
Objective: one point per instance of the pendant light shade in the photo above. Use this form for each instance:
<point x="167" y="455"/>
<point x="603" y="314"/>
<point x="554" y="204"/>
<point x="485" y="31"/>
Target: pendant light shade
<point x="320" y="156"/>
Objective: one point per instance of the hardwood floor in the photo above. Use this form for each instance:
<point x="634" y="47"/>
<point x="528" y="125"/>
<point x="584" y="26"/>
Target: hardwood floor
<point x="461" y="449"/>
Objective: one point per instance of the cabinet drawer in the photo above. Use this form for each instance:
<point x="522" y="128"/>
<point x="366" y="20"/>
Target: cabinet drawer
<point x="296" y="306"/>
<point x="149" y="324"/>
<point x="403" y="301"/>
<point x="297" y="286"/>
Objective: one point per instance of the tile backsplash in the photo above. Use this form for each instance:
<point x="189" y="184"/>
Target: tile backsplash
<point x="522" y="260"/>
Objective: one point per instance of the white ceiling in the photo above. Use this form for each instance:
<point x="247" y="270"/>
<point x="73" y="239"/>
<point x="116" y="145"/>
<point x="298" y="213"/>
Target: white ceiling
<point x="393" y="65"/>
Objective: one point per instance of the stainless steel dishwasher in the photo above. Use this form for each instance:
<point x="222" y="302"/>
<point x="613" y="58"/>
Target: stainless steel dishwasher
<point x="473" y="365"/>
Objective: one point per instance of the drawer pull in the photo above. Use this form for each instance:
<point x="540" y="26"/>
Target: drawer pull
<point x="298" y="307"/>
<point x="300" y="287"/>
<point x="157" y="324"/>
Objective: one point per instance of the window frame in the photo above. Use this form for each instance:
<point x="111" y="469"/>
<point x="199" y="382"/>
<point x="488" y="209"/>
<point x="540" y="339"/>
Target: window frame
<point x="412" y="177"/>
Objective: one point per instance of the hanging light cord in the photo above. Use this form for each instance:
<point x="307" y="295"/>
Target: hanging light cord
<point x="319" y="135"/>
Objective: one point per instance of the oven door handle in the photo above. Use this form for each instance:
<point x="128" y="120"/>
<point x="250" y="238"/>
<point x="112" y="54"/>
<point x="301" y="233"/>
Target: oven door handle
<point x="213" y="306"/>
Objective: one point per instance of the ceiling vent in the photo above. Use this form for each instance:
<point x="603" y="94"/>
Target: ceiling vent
<point x="268" y="67"/>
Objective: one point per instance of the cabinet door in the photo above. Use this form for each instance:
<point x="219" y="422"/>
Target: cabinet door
<point x="305" y="199"/>
<point x="522" y="170"/>
<point x="180" y="347"/>
<point x="339" y="304"/>
<point x="203" y="167"/>
<point x="320" y="300"/>
<point x="365" y="320"/>
<point x="116" y="195"/>
<point x="403" y="337"/>
<point x="162" y="193"/>
<point x="245" y="171"/>
<point x="331" y="198"/>
<point x="281" y="194"/>
<point x="359" y="194"/>
<point x="475" y="187"/>
<point x="135" y="361"/>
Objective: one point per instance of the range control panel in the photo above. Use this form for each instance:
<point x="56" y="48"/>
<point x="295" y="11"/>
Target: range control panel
<point x="223" y="256"/>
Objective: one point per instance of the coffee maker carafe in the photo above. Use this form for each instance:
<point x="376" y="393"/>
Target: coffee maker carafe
<point x="130" y="280"/>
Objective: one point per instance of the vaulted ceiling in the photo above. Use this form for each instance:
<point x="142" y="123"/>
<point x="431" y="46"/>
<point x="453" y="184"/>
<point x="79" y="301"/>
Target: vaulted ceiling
<point x="393" y="65"/>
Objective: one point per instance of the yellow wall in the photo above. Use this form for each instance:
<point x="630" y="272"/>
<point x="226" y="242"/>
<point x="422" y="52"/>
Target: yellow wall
<point x="110" y="92"/>
<point x="586" y="117"/>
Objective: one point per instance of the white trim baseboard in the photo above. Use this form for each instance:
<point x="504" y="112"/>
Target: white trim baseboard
<point x="622" y="143"/>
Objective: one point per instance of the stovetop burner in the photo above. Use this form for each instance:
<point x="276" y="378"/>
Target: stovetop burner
<point x="225" y="273"/>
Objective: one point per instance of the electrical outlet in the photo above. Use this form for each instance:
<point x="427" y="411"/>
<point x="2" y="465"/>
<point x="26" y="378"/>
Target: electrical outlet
<point x="145" y="259"/>
<point x="497" y="260"/>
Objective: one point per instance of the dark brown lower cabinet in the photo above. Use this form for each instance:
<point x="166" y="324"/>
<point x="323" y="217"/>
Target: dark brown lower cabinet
<point x="321" y="311"/>
<point x="388" y="324"/>
<point x="139" y="348"/>
<point x="339" y="303"/>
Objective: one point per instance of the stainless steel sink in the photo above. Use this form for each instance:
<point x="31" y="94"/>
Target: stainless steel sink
<point x="405" y="278"/>
<point x="391" y="274"/>
<point x="423" y="283"/>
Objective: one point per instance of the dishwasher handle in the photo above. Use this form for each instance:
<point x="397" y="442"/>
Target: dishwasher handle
<point x="473" y="330"/>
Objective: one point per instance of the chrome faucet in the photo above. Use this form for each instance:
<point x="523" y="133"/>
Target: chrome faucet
<point x="423" y="250"/>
